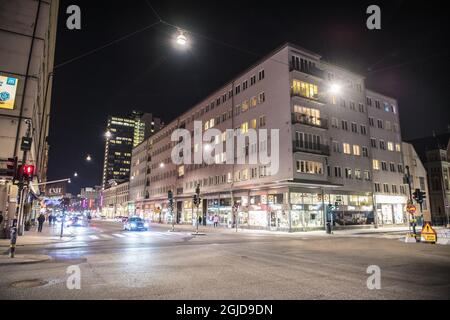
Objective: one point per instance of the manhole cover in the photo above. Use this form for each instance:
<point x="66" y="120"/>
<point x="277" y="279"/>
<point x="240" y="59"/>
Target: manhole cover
<point x="28" y="283"/>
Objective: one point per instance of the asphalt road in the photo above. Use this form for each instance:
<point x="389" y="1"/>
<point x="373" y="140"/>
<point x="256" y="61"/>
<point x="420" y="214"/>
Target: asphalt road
<point x="157" y="264"/>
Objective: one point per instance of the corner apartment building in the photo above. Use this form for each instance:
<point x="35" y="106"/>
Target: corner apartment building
<point x="27" y="49"/>
<point x="327" y="159"/>
<point x="419" y="179"/>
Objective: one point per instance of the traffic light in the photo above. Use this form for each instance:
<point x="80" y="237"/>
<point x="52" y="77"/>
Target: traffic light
<point x="170" y="197"/>
<point x="419" y="196"/>
<point x="10" y="170"/>
<point x="28" y="172"/>
<point x="11" y="167"/>
<point x="197" y="190"/>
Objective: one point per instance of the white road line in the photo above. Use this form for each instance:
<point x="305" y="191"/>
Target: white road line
<point x="118" y="235"/>
<point x="80" y="238"/>
<point x="94" y="237"/>
<point x="131" y="235"/>
<point x="107" y="236"/>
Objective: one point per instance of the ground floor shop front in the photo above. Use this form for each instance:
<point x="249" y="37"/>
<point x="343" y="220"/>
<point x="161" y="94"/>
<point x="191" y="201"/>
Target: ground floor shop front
<point x="285" y="209"/>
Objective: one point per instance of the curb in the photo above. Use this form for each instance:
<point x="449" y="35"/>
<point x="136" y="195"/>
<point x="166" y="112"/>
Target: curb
<point x="12" y="261"/>
<point x="53" y="241"/>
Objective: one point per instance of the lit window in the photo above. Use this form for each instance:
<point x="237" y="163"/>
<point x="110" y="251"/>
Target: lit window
<point x="376" y="164"/>
<point x="253" y="124"/>
<point x="244" y="127"/>
<point x="356" y="150"/>
<point x="244" y="106"/>
<point x="390" y="146"/>
<point x="253" y="102"/>
<point x="346" y="148"/>
<point x="305" y="89"/>
<point x="398" y="147"/>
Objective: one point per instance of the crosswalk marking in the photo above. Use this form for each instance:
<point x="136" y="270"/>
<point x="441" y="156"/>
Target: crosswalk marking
<point x="118" y="235"/>
<point x="94" y="237"/>
<point x="107" y="236"/>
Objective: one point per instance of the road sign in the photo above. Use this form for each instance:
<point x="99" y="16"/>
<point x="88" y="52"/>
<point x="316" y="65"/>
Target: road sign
<point x="428" y="234"/>
<point x="411" y="208"/>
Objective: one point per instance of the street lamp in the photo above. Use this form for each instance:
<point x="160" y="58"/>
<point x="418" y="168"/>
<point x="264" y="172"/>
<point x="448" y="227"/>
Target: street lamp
<point x="161" y="165"/>
<point x="335" y="88"/>
<point x="75" y="174"/>
<point x="108" y="134"/>
<point x="181" y="38"/>
<point x="88" y="157"/>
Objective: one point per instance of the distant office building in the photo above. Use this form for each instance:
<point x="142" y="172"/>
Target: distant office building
<point x="27" y="50"/>
<point x="434" y="152"/>
<point x="122" y="134"/>
<point x="418" y="175"/>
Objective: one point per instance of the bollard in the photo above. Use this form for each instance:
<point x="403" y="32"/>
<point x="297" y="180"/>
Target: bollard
<point x="12" y="246"/>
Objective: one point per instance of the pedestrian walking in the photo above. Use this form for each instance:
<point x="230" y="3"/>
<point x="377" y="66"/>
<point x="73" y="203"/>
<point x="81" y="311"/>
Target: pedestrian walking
<point x="41" y="221"/>
<point x="50" y="219"/>
<point x="216" y="220"/>
<point x="199" y="219"/>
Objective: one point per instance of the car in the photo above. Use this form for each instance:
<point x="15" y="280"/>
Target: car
<point x="135" y="223"/>
<point x="77" y="221"/>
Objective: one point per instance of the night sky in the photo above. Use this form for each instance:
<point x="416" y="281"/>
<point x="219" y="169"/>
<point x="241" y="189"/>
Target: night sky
<point x="407" y="59"/>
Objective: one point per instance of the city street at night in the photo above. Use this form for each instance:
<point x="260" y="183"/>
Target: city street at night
<point x="224" y="158"/>
<point x="223" y="264"/>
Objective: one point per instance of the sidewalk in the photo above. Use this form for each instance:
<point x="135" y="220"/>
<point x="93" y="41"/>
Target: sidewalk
<point x="221" y="229"/>
<point x="49" y="235"/>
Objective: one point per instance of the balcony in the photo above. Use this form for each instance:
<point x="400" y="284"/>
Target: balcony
<point x="321" y="149"/>
<point x="314" y="98"/>
<point x="309" y="120"/>
<point x="311" y="70"/>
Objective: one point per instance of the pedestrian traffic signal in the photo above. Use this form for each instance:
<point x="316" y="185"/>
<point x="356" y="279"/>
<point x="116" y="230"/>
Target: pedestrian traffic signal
<point x="28" y="172"/>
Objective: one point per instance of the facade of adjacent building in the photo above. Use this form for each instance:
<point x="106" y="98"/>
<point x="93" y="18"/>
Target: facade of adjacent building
<point x="139" y="174"/>
<point x="124" y="133"/>
<point x="115" y="201"/>
<point x="435" y="153"/>
<point x="90" y="198"/>
<point x="419" y="180"/>
<point x="328" y="159"/>
<point x="27" y="48"/>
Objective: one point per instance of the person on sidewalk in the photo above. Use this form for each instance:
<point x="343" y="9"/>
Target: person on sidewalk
<point x="200" y="220"/>
<point x="216" y="220"/>
<point x="41" y="221"/>
<point x="50" y="219"/>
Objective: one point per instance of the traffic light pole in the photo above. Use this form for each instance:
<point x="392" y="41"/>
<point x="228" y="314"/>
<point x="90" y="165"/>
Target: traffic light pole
<point x="408" y="179"/>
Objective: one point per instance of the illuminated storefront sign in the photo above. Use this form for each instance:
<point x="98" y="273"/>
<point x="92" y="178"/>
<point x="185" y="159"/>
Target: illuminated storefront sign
<point x="8" y="86"/>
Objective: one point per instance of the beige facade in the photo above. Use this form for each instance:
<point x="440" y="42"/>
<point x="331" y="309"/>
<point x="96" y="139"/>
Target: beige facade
<point x="115" y="201"/>
<point x="419" y="179"/>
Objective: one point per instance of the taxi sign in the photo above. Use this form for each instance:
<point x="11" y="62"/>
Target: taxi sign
<point x="428" y="234"/>
<point x="411" y="208"/>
